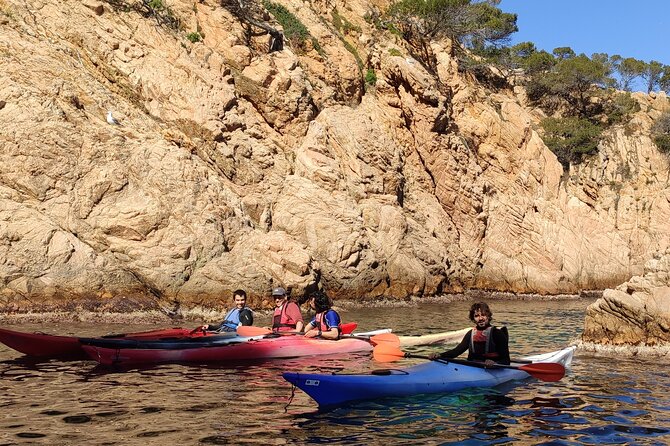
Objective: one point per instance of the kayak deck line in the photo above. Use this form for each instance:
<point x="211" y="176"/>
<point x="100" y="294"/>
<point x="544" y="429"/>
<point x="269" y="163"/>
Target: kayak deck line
<point x="253" y="349"/>
<point x="205" y="342"/>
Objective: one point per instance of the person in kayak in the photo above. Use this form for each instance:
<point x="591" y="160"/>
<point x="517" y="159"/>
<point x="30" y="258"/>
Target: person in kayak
<point x="287" y="315"/>
<point x="326" y="323"/>
<point x="484" y="342"/>
<point x="240" y="315"/>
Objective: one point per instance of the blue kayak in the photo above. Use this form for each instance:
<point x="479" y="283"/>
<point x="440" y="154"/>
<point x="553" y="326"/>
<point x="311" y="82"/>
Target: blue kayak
<point x="440" y="376"/>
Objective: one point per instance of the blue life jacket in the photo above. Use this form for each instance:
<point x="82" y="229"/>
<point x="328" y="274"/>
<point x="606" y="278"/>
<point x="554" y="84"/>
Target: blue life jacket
<point x="232" y="319"/>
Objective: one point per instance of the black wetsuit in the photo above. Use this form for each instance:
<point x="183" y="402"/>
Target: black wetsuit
<point x="498" y="347"/>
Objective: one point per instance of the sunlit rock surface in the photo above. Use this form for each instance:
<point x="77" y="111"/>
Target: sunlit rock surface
<point x="636" y="313"/>
<point x="238" y="168"/>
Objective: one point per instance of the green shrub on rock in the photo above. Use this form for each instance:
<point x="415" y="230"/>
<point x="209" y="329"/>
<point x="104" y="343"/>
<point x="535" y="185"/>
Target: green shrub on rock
<point x="660" y="131"/>
<point x="571" y="138"/>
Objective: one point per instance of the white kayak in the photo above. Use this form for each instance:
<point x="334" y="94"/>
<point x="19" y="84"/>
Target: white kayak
<point x="434" y="338"/>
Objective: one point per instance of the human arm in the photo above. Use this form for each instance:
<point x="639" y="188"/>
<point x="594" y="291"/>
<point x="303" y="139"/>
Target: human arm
<point x="332" y="334"/>
<point x="332" y="321"/>
<point x="310" y="329"/>
<point x="461" y="348"/>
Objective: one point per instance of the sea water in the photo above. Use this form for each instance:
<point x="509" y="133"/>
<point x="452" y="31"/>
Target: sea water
<point x="602" y="400"/>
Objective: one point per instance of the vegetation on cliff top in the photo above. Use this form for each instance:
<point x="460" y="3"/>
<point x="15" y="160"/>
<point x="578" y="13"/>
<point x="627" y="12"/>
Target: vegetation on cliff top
<point x="581" y="95"/>
<point x="661" y="132"/>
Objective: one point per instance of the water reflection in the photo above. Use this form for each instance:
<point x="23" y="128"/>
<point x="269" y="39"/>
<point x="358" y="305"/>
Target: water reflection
<point x="601" y="401"/>
<point x="428" y="418"/>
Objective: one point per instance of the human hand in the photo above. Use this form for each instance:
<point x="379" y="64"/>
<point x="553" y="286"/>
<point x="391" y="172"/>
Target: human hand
<point x="489" y="363"/>
<point x="434" y="356"/>
<point x="311" y="334"/>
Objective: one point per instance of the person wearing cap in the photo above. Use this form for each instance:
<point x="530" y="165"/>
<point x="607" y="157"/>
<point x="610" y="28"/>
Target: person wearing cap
<point x="240" y="315"/>
<point x="287" y="315"/>
<point x="326" y="323"/>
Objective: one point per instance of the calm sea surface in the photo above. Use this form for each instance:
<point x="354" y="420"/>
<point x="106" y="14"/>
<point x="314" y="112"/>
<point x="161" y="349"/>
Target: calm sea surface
<point x="600" y="401"/>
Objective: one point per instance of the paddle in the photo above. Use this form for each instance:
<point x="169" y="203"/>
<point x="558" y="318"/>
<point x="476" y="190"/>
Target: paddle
<point x="249" y="331"/>
<point x="386" y="338"/>
<point x="544" y="371"/>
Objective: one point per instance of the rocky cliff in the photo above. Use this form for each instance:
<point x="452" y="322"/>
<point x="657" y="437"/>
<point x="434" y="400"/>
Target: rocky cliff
<point x="238" y="168"/>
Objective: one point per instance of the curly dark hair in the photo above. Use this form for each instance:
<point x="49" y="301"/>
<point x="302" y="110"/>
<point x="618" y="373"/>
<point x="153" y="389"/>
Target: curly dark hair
<point x="321" y="301"/>
<point x="483" y="307"/>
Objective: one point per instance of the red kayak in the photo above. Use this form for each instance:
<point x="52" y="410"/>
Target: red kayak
<point x="44" y="345"/>
<point x="239" y="349"/>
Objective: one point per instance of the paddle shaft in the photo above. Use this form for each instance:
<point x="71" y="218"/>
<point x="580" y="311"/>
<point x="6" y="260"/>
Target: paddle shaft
<point x="481" y="365"/>
<point x="543" y="371"/>
<point x="260" y="331"/>
<point x="466" y="362"/>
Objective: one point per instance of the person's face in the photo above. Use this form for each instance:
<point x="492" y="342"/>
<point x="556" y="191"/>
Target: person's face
<point x="240" y="301"/>
<point x="312" y="303"/>
<point x="279" y="300"/>
<point x="481" y="319"/>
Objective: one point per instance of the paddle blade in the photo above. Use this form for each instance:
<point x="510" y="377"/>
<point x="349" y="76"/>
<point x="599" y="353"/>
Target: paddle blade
<point x="545" y="371"/>
<point x="385" y="352"/>
<point x="250" y="330"/>
<point x="386" y="338"/>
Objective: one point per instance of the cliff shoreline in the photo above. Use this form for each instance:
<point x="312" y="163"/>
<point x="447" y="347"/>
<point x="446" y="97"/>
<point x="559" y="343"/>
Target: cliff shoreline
<point x="199" y="314"/>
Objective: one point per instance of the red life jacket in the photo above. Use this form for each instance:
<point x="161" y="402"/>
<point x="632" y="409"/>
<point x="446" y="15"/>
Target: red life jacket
<point x="321" y="325"/>
<point x="281" y="321"/>
<point x="482" y="345"/>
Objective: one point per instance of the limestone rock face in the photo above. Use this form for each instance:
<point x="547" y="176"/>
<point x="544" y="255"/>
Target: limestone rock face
<point x="636" y="312"/>
<point x="238" y="168"/>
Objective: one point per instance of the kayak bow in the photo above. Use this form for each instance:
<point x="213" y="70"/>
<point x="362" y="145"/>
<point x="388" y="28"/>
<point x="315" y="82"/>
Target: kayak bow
<point x="44" y="345"/>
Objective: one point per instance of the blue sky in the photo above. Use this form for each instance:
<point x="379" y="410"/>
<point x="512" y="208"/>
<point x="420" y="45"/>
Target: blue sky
<point x="639" y="29"/>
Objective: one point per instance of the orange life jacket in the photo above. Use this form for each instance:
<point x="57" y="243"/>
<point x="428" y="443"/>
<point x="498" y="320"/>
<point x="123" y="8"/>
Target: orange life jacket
<point x="281" y="321"/>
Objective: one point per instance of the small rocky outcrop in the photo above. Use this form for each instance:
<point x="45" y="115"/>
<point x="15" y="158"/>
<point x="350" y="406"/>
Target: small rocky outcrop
<point x="635" y="314"/>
